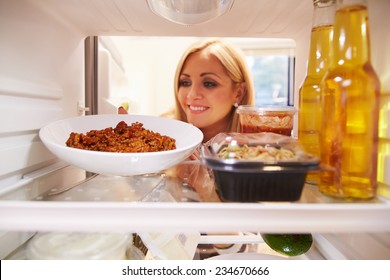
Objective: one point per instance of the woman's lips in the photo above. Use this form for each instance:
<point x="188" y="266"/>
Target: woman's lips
<point x="197" y="109"/>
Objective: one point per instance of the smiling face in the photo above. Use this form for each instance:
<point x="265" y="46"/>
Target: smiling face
<point x="206" y="93"/>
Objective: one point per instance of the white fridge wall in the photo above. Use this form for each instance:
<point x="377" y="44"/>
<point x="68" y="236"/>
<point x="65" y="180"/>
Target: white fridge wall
<point x="41" y="80"/>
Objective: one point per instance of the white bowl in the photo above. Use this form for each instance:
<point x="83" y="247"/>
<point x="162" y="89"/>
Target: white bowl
<point x="54" y="136"/>
<point x="78" y="246"/>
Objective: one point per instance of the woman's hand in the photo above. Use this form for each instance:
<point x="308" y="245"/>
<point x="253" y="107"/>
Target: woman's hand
<point x="122" y="110"/>
<point x="195" y="155"/>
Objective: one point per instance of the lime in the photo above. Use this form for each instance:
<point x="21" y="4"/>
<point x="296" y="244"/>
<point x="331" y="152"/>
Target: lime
<point x="289" y="244"/>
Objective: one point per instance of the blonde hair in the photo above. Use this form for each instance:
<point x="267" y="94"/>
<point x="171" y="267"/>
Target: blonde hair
<point x="233" y="60"/>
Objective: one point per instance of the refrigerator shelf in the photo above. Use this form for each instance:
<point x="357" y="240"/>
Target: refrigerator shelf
<point x="181" y="217"/>
<point x="158" y="202"/>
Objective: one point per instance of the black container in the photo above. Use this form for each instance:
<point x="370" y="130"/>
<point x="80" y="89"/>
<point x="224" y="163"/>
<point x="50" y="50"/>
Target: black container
<point x="270" y="178"/>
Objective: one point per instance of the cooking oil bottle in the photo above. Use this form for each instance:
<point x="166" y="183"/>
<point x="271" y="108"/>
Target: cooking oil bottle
<point x="350" y="104"/>
<point x="309" y="114"/>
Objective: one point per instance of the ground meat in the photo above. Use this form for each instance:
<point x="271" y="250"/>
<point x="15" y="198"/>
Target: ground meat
<point x="122" y="139"/>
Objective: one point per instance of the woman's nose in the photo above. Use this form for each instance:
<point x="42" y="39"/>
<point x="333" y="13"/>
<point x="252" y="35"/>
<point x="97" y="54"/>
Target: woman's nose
<point x="194" y="93"/>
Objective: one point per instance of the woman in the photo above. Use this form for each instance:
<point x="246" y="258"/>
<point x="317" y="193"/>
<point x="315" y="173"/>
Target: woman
<point x="211" y="81"/>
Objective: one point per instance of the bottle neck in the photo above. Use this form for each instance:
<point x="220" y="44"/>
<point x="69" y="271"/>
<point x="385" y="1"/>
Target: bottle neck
<point x="321" y="37"/>
<point x="324" y="12"/>
<point x="351" y="35"/>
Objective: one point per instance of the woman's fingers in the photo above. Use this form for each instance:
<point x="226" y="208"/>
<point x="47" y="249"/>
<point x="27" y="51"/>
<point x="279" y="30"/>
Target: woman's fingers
<point x="122" y="110"/>
<point x="194" y="156"/>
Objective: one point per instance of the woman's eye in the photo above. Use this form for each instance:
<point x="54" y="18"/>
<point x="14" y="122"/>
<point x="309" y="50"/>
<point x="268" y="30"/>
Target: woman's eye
<point x="209" y="84"/>
<point x="184" y="83"/>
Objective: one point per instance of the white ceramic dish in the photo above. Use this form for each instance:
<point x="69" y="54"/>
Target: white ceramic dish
<point x="54" y="136"/>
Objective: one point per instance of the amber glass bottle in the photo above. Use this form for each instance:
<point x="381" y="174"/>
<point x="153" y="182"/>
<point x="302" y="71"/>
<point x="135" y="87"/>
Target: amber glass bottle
<point x="309" y="114"/>
<point x="350" y="103"/>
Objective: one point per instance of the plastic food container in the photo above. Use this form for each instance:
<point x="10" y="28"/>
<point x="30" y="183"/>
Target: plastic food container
<point x="250" y="167"/>
<point x="276" y="119"/>
<point x="168" y="245"/>
<point x="78" y="246"/>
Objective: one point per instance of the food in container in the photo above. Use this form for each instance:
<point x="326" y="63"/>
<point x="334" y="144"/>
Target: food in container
<point x="134" y="138"/>
<point x="78" y="246"/>
<point x="250" y="167"/>
<point x="277" y="119"/>
<point x="187" y="139"/>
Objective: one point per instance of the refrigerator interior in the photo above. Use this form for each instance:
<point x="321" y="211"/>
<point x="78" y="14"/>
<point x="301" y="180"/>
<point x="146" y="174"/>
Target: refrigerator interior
<point x="42" y="74"/>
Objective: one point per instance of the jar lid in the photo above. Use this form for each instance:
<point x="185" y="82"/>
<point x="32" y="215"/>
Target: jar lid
<point x="249" y="109"/>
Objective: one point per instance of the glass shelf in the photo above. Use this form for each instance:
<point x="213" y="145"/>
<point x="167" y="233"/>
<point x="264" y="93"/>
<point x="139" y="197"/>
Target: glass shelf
<point x="160" y="202"/>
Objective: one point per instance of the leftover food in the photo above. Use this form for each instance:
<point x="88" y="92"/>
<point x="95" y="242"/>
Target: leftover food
<point x="259" y="152"/>
<point x="123" y="138"/>
<point x="276" y="119"/>
<point x="251" y="167"/>
<point x="281" y="124"/>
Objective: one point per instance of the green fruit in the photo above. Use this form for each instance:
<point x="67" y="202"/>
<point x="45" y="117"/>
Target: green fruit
<point x="289" y="244"/>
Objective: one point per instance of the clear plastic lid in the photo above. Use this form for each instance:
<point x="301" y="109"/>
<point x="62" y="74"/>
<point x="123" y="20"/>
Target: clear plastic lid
<point x="255" y="150"/>
<point x="78" y="246"/>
